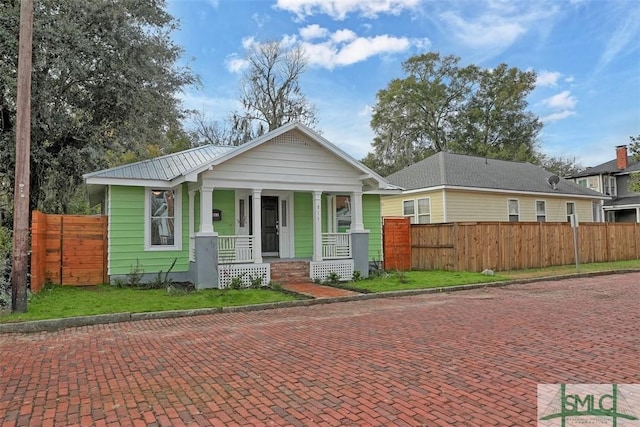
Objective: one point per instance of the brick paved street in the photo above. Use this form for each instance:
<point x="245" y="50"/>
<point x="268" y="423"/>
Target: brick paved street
<point x="464" y="358"/>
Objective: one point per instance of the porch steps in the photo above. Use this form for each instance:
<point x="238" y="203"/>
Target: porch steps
<point x="286" y="272"/>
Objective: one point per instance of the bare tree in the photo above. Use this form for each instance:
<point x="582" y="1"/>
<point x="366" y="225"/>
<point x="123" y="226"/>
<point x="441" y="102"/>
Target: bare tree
<point x="270" y="91"/>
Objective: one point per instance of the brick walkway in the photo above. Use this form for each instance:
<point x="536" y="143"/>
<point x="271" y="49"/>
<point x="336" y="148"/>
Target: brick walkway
<point x="465" y="358"/>
<point x="317" y="291"/>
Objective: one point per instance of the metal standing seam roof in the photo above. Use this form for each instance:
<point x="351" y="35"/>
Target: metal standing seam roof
<point x="167" y="167"/>
<point x="458" y="170"/>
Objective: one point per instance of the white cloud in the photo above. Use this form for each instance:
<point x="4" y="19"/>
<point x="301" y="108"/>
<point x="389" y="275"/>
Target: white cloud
<point x="547" y="78"/>
<point x="214" y="3"/>
<point x="339" y="9"/>
<point x="488" y="31"/>
<point x="260" y="20"/>
<point x="365" y="111"/>
<point x="331" y="54"/>
<point x="343" y="36"/>
<point x="561" y="101"/>
<point x="554" y="117"/>
<point x="235" y="64"/>
<point x="313" y="31"/>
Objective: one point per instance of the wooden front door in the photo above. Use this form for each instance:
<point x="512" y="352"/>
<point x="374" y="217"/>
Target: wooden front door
<point x="270" y="235"/>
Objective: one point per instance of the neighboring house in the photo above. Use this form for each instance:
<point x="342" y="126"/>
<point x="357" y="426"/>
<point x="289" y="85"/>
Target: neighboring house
<point x="450" y="187"/>
<point x="223" y="212"/>
<point x="612" y="178"/>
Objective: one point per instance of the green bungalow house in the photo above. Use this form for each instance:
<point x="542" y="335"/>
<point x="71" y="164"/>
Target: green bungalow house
<point x="222" y="212"/>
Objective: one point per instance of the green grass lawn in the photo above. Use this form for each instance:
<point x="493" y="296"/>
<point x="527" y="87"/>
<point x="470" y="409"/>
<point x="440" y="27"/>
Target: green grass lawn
<point x="67" y="301"/>
<point x="421" y="280"/>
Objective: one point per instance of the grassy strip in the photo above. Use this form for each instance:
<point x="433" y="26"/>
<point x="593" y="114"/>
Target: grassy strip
<point x="56" y="302"/>
<point x="399" y="281"/>
<point x="562" y="270"/>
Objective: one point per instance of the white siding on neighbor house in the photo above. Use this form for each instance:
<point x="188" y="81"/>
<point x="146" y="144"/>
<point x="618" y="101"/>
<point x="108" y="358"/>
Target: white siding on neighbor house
<point x="290" y="161"/>
<point x="483" y="206"/>
<point x="392" y="205"/>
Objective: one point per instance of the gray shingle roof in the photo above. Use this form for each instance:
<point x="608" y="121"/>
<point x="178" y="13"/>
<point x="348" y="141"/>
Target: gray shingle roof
<point x="459" y="170"/>
<point x="167" y="167"/>
<point x="610" y="167"/>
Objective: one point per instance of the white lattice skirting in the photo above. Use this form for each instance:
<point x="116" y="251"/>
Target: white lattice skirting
<point x="247" y="272"/>
<point x="343" y="268"/>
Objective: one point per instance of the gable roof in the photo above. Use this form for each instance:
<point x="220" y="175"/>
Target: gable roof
<point x="458" y="170"/>
<point x="173" y="169"/>
<point x="610" y="167"/>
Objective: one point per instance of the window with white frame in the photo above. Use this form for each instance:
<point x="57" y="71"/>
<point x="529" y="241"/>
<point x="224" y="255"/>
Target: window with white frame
<point x="424" y="211"/>
<point x="541" y="211"/>
<point x="162" y="219"/>
<point x="514" y="210"/>
<point x="583" y="182"/>
<point x="610" y="185"/>
<point x="409" y="210"/>
<point x="571" y="210"/>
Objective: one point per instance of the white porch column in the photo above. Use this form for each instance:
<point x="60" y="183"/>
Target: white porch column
<point x="317" y="226"/>
<point x="356" y="211"/>
<point x="192" y="242"/>
<point x="206" y="207"/>
<point x="256" y="216"/>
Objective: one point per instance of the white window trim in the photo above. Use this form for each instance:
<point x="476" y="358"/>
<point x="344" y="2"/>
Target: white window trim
<point x="417" y="210"/>
<point x="613" y="189"/>
<point x="509" y="213"/>
<point x="545" y="209"/>
<point x="567" y="209"/>
<point x="177" y="227"/>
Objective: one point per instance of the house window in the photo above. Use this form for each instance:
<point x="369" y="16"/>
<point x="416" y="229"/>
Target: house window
<point x="343" y="212"/>
<point x="583" y="182"/>
<point x="163" y="220"/>
<point x="424" y="211"/>
<point x="610" y="185"/>
<point x="571" y="210"/>
<point x="408" y="209"/>
<point x="514" y="210"/>
<point x="541" y="211"/>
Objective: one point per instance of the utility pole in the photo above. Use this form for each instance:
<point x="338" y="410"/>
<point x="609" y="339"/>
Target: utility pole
<point x="21" y="194"/>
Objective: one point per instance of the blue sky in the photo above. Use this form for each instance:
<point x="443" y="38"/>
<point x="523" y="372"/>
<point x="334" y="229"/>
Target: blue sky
<point x="586" y="54"/>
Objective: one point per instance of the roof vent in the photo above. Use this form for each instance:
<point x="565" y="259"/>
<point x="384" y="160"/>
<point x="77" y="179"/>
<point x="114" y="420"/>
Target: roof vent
<point x="553" y="181"/>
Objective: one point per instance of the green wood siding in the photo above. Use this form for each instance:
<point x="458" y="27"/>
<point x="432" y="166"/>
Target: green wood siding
<point x="303" y="224"/>
<point x="373" y="222"/>
<point x="225" y="201"/>
<point x="126" y="235"/>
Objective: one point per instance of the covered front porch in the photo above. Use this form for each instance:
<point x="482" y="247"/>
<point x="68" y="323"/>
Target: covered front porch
<point x="322" y="228"/>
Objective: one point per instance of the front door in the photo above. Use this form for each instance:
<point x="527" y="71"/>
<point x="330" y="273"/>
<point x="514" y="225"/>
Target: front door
<point x="270" y="235"/>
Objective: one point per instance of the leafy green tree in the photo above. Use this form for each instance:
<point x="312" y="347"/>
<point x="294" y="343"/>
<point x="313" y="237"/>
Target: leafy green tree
<point x="560" y="165"/>
<point x="634" y="150"/>
<point x="270" y="91"/>
<point x="441" y="105"/>
<point x="105" y="80"/>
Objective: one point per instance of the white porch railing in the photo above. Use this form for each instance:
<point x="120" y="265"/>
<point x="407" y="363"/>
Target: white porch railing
<point x="336" y="245"/>
<point x="232" y="249"/>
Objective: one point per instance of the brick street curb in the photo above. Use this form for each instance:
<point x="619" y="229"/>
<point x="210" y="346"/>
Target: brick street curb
<point x="70" y="322"/>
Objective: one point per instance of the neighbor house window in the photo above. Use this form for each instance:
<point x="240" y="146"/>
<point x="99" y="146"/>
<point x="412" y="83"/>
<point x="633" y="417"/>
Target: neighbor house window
<point x="571" y="210"/>
<point x="583" y="182"/>
<point x="163" y="219"/>
<point x="409" y="210"/>
<point x="514" y="210"/>
<point x="541" y="210"/>
<point x="424" y="211"/>
<point x="610" y="185"/>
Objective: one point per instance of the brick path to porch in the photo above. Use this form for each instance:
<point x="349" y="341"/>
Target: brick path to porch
<point x="317" y="291"/>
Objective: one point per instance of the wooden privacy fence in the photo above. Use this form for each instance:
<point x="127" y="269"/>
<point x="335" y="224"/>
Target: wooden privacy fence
<point x="68" y="250"/>
<point x="505" y="246"/>
<point x="396" y="241"/>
